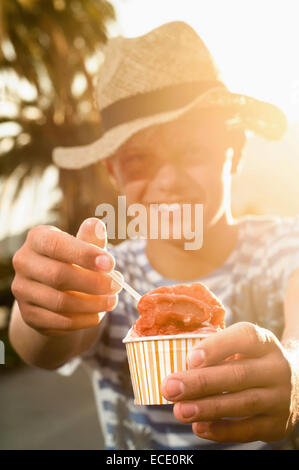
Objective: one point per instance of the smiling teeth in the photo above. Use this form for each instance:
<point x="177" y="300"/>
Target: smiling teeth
<point x="163" y="207"/>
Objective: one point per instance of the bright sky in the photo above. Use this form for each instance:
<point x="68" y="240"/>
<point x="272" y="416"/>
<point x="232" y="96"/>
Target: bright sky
<point x="255" y="45"/>
<point x="254" y="42"/>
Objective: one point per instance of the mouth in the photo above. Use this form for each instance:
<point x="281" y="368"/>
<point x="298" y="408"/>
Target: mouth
<point x="173" y="203"/>
<point x="173" y="209"/>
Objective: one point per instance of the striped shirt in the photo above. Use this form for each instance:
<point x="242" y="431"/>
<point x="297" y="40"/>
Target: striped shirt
<point x="251" y="285"/>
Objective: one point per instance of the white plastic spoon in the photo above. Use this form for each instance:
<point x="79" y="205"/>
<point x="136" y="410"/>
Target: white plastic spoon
<point x="125" y="286"/>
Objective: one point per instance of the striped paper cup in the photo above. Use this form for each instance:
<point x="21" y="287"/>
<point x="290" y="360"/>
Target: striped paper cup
<point x="151" y="358"/>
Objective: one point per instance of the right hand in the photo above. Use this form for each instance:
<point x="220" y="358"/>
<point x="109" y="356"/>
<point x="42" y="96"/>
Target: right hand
<point x="60" y="284"/>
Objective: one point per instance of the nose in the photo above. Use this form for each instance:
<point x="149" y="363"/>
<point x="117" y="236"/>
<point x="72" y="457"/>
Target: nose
<point x="168" y="177"/>
<point x="169" y="182"/>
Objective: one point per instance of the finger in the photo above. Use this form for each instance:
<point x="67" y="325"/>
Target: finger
<point x="250" y="402"/>
<point x="64" y="276"/>
<point x="55" y="244"/>
<point x="93" y="231"/>
<point x="226" y="377"/>
<point x="46" y="321"/>
<point x="244" y="338"/>
<point x="63" y="302"/>
<point x="258" y="428"/>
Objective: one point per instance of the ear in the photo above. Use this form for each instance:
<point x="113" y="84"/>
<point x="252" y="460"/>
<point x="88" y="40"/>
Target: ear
<point x="109" y="166"/>
<point x="236" y="160"/>
<point x="111" y="171"/>
<point x="239" y="141"/>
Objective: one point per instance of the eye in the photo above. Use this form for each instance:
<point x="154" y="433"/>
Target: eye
<point x="134" y="166"/>
<point x="134" y="161"/>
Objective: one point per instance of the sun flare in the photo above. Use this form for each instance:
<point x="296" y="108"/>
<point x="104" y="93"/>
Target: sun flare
<point x="253" y="42"/>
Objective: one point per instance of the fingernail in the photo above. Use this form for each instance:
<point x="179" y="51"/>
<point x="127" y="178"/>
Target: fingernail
<point x="115" y="286"/>
<point x="202" y="427"/>
<point x="104" y="262"/>
<point x="188" y="410"/>
<point x="173" y="388"/>
<point x="112" y="301"/>
<point x="100" y="230"/>
<point x="196" y="358"/>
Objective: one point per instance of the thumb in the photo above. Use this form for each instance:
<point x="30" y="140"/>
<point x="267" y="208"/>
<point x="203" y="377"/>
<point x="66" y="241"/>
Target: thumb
<point x="93" y="231"/>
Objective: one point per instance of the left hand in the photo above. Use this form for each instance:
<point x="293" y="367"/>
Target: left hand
<point x="258" y="386"/>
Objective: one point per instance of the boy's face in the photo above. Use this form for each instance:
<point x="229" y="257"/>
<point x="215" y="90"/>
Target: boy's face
<point x="183" y="161"/>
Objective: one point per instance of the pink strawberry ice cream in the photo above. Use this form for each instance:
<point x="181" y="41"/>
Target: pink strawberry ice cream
<point x="172" y="310"/>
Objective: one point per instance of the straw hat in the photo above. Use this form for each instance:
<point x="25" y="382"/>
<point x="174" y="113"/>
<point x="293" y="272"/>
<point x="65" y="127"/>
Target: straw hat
<point x="155" y="78"/>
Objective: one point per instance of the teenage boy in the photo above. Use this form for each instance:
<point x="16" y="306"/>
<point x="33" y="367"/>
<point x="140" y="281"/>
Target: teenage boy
<point x="173" y="133"/>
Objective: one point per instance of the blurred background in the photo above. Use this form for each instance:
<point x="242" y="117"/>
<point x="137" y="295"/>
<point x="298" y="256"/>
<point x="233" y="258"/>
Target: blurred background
<point x="50" y="53"/>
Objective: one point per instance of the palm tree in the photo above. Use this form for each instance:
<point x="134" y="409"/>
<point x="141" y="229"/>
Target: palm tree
<point x="47" y="48"/>
<point x="47" y="44"/>
<point x="50" y="51"/>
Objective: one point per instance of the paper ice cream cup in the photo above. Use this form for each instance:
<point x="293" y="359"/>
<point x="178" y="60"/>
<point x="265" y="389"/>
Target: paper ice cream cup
<point x="151" y="358"/>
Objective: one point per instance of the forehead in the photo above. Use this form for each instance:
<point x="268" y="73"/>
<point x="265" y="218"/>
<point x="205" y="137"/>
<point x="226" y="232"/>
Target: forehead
<point x="195" y="127"/>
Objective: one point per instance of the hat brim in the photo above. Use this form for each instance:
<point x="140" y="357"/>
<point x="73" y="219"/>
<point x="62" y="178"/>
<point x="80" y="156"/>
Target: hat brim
<point x="244" y="112"/>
